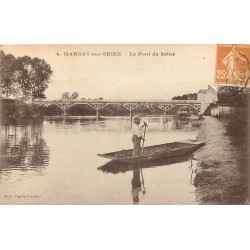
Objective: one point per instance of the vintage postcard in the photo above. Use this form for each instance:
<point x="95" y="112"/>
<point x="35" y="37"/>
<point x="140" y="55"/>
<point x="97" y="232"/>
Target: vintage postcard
<point x="124" y="124"/>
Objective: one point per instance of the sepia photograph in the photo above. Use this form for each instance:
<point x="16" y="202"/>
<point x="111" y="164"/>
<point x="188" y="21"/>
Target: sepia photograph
<point x="124" y="124"/>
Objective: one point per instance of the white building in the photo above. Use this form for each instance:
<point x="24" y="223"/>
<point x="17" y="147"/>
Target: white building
<point x="206" y="97"/>
<point x="224" y="110"/>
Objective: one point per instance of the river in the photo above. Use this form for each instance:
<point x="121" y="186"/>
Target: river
<point x="56" y="162"/>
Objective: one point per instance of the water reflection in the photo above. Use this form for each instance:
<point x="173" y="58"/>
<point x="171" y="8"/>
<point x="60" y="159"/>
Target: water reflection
<point x="23" y="149"/>
<point x="193" y="171"/>
<point x="121" y="123"/>
<point x="138" y="185"/>
<point x="73" y="120"/>
<point x="116" y="167"/>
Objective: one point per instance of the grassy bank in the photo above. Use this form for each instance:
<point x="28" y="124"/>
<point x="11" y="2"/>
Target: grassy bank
<point x="222" y="175"/>
<point x="237" y="122"/>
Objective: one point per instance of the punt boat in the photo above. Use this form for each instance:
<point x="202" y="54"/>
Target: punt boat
<point x="155" y="152"/>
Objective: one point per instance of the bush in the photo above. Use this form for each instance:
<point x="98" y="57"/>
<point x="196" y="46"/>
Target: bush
<point x="237" y="123"/>
<point x="14" y="110"/>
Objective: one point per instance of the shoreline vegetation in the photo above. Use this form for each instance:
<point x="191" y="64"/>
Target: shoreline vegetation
<point x="222" y="175"/>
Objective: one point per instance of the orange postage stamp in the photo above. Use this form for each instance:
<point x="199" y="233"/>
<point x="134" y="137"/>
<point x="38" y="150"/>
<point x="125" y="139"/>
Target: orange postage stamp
<point x="232" y="64"/>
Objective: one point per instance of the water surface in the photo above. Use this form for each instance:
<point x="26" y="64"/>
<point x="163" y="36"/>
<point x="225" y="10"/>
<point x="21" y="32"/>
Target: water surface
<point x="56" y="162"/>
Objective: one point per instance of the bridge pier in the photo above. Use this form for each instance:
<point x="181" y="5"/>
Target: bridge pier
<point x="131" y="113"/>
<point x="131" y="117"/>
<point x="130" y="107"/>
<point x="164" y="114"/>
<point x="64" y="113"/>
<point x="97" y="106"/>
<point x="97" y="114"/>
<point x="164" y="107"/>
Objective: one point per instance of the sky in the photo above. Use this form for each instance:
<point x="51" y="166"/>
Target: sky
<point x="135" y="75"/>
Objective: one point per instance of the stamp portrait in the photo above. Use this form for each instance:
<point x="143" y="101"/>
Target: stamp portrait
<point x="232" y="65"/>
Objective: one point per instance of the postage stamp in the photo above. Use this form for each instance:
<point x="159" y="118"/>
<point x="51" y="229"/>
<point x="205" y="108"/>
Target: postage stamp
<point x="232" y="65"/>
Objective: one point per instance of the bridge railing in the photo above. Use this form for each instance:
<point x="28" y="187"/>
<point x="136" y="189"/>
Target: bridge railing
<point x="68" y="100"/>
<point x="116" y="101"/>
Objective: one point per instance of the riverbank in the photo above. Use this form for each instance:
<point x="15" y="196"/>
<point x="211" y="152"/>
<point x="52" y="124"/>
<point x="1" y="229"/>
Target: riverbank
<point x="18" y="111"/>
<point x="223" y="165"/>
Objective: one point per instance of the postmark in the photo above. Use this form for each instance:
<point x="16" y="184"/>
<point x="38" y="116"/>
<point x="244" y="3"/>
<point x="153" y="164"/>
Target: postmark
<point x="232" y="65"/>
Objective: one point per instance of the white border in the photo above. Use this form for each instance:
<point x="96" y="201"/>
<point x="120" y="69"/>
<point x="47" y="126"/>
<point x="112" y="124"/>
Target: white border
<point x="124" y="22"/>
<point x="112" y="21"/>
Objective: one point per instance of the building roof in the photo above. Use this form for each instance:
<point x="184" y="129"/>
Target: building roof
<point x="202" y="91"/>
<point x="209" y="87"/>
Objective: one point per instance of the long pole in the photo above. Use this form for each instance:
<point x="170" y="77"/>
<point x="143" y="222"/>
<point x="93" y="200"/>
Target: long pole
<point x="143" y="139"/>
<point x="141" y="157"/>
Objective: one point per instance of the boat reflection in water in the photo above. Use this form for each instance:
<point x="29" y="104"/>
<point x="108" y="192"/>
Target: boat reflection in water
<point x="137" y="182"/>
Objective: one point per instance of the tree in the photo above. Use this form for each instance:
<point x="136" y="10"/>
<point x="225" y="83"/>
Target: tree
<point x="74" y="95"/>
<point x="6" y="70"/>
<point x="65" y="95"/>
<point x="33" y="75"/>
<point x="177" y="98"/>
<point x="24" y="76"/>
<point x="16" y="91"/>
<point x="233" y="95"/>
<point x="192" y="96"/>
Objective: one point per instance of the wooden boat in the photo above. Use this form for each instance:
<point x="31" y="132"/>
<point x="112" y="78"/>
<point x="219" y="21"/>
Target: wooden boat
<point x="156" y="152"/>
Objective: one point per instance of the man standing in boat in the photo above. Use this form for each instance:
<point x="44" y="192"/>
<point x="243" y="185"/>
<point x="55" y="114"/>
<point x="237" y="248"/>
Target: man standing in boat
<point x="137" y="130"/>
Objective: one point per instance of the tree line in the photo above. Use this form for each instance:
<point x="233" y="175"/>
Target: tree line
<point x="192" y="96"/>
<point x="234" y="96"/>
<point x="23" y="78"/>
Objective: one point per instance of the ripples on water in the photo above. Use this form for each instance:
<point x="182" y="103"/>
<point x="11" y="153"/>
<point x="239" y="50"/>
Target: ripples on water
<point x="63" y="153"/>
<point x="23" y="152"/>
